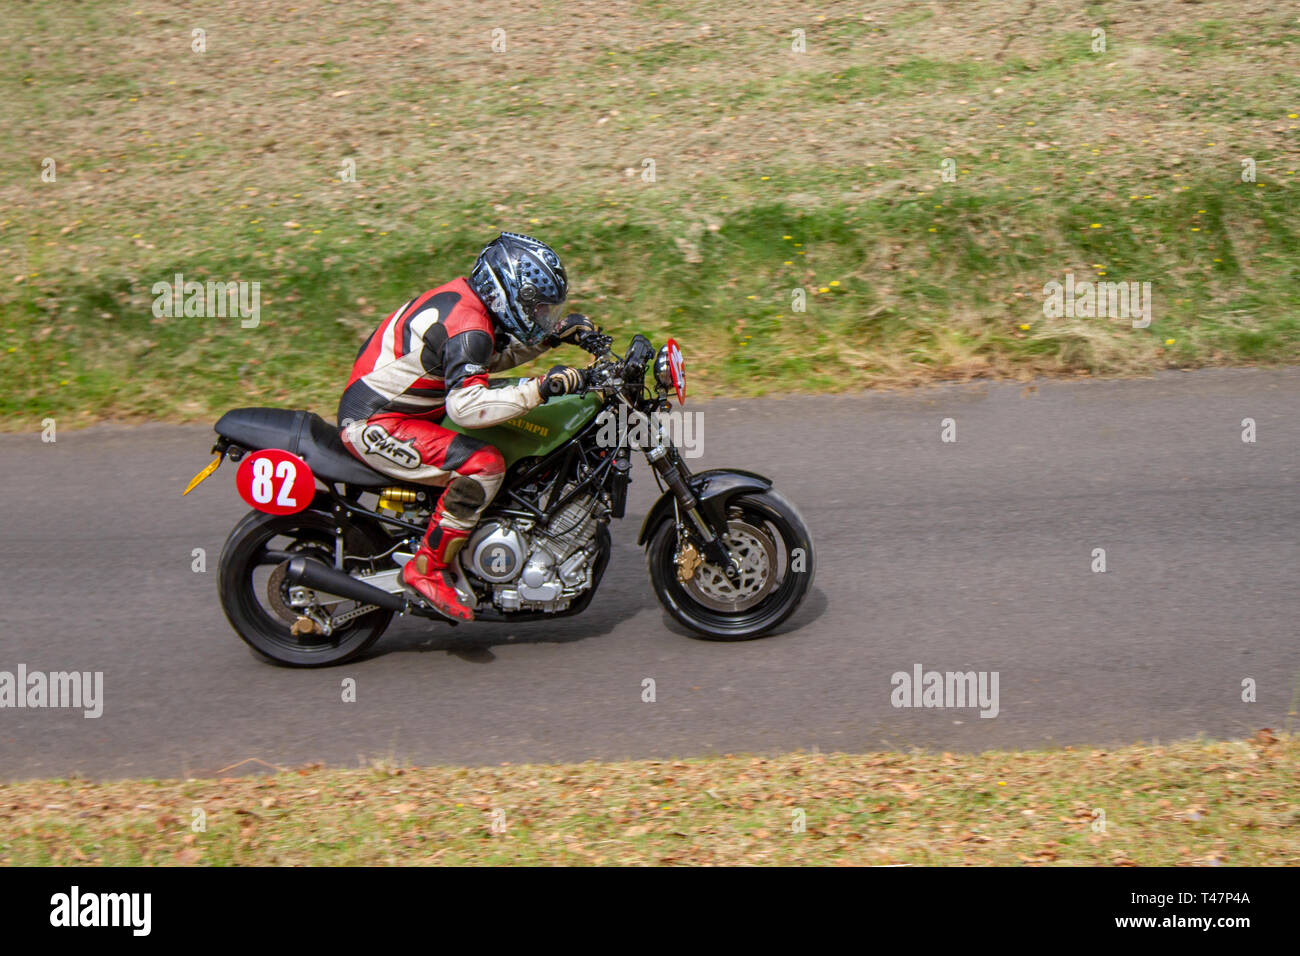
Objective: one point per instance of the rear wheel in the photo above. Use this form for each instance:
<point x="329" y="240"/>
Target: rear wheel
<point x="768" y="537"/>
<point x="263" y="607"/>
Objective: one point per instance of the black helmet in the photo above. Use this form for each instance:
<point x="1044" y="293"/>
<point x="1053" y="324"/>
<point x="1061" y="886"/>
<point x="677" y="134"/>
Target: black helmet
<point x="522" y="284"/>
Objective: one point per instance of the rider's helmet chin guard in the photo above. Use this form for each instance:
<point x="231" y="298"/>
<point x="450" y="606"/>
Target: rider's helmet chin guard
<point x="522" y="283"/>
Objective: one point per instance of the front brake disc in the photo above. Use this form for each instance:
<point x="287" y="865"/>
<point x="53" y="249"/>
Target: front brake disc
<point x="755" y="551"/>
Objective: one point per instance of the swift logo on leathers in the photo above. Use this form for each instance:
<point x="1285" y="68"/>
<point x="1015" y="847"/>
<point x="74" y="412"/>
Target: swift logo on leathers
<point x="379" y="442"/>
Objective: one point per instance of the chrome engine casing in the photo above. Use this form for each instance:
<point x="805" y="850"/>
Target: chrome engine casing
<point x="530" y="567"/>
<point x="496" y="552"/>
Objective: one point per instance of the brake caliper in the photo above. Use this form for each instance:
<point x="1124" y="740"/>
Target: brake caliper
<point x="688" y="561"/>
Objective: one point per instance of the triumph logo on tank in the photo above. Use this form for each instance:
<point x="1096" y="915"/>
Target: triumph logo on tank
<point x="379" y="442"/>
<point x="950" y="689"/>
<point x="529" y="426"/>
<point x="82" y="690"/>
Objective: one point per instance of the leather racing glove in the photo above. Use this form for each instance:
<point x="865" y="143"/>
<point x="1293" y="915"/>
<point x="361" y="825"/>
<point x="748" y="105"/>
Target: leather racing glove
<point x="560" y="380"/>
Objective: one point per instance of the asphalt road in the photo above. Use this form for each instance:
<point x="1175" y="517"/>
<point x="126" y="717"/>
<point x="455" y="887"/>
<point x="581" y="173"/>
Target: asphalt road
<point x="971" y="555"/>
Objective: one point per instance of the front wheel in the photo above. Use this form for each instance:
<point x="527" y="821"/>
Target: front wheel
<point x="768" y="537"/>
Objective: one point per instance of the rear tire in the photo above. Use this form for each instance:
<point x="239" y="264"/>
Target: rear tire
<point x="260" y="626"/>
<point x="766" y="526"/>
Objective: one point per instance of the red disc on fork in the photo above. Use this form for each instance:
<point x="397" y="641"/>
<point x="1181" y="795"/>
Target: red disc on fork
<point x="677" y="368"/>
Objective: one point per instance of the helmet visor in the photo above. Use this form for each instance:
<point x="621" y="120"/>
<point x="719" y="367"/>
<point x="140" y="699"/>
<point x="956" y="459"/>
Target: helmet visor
<point x="545" y="315"/>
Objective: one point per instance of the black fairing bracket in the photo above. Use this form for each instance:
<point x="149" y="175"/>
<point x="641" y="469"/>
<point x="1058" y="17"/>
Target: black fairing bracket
<point x="713" y="489"/>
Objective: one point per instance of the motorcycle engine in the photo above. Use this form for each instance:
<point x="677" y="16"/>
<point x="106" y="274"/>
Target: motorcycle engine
<point x="532" y="567"/>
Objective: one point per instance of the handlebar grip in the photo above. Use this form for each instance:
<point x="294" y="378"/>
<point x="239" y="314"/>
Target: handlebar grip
<point x="595" y="342"/>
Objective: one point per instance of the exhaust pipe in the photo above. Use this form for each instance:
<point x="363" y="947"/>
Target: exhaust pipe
<point x="311" y="573"/>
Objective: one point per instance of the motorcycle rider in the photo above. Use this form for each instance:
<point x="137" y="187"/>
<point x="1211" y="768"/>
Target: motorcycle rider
<point x="431" y="358"/>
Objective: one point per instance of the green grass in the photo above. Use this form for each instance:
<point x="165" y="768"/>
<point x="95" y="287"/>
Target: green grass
<point x="1192" y="803"/>
<point x="947" y="298"/>
<point x="171" y="161"/>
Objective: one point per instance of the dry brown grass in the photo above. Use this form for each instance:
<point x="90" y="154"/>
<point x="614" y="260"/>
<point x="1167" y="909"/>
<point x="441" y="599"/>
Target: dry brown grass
<point x="1183" y="804"/>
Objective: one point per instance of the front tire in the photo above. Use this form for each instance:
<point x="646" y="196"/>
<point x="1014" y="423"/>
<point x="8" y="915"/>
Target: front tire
<point x="255" y="600"/>
<point x="768" y="535"/>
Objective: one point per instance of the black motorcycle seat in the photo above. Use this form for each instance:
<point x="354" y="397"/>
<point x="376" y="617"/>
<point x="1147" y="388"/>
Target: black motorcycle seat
<point x="301" y="433"/>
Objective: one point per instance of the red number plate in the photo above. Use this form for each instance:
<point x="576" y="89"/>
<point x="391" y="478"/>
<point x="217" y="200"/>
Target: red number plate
<point x="275" y="481"/>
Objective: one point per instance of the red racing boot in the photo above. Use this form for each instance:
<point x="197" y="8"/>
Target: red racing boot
<point x="428" y="576"/>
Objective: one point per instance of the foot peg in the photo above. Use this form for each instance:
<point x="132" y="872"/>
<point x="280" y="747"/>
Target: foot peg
<point x="417" y="603"/>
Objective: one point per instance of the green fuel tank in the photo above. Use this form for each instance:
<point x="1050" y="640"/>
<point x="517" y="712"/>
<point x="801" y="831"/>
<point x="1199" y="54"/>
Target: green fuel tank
<point x="541" y="431"/>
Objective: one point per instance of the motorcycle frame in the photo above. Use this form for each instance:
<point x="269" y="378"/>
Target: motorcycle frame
<point x="703" y="497"/>
<point x="564" y="460"/>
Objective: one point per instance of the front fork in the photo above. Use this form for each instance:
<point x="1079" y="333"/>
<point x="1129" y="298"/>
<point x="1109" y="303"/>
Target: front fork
<point x="673" y="471"/>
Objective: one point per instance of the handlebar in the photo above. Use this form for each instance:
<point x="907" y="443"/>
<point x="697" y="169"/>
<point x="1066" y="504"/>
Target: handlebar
<point x="613" y="371"/>
<point x="595" y="342"/>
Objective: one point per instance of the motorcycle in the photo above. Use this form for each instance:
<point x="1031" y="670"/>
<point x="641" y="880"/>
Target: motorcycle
<point x="311" y="576"/>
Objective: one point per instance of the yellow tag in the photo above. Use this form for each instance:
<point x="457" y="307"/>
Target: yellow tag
<point x="202" y="476"/>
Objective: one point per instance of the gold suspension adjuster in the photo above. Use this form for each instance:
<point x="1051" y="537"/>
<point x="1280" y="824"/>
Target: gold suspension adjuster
<point x="392" y="497"/>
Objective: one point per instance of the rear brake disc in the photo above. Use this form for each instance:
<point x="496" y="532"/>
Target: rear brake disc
<point x="275" y="595"/>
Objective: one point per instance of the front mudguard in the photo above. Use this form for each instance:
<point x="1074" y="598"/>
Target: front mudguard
<point x="714" y="489"/>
